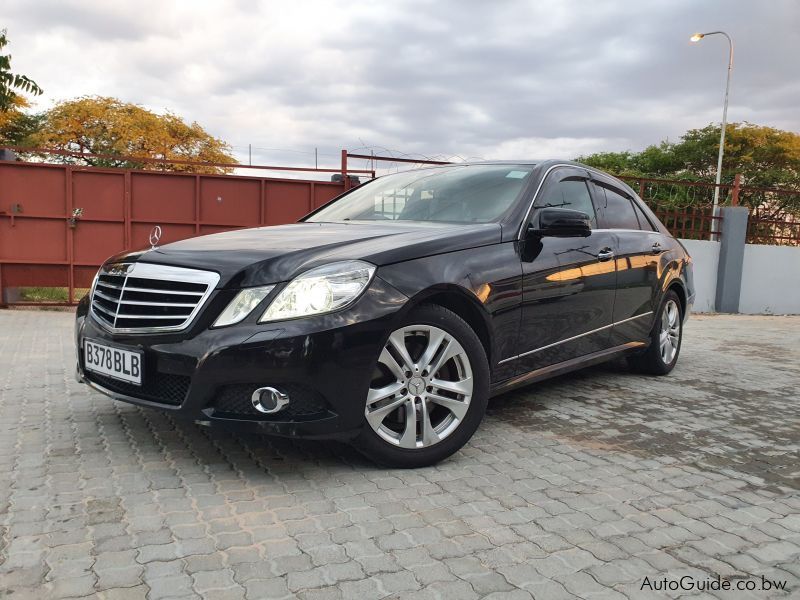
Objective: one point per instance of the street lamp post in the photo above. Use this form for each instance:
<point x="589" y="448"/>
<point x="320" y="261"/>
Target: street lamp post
<point x="696" y="38"/>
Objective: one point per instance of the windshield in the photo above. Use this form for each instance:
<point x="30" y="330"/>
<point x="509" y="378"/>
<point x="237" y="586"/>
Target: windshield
<point x="457" y="194"/>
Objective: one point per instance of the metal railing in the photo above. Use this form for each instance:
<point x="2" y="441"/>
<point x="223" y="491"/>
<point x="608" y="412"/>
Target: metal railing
<point x="58" y="222"/>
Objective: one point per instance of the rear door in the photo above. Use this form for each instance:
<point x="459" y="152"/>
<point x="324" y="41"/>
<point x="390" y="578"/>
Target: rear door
<point x="568" y="282"/>
<point x="637" y="250"/>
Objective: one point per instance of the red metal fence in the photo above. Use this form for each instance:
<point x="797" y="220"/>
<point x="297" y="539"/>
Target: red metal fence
<point x="42" y="245"/>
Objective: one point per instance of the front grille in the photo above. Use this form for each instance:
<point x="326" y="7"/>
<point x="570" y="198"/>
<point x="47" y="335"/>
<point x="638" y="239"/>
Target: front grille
<point x="163" y="388"/>
<point x="143" y="297"/>
<point x="234" y="401"/>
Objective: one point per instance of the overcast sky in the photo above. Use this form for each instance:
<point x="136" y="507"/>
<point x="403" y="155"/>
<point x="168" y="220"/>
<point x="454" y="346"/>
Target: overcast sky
<point x="499" y="79"/>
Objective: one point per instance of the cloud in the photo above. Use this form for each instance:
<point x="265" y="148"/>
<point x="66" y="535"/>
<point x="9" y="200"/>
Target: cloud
<point x="453" y="78"/>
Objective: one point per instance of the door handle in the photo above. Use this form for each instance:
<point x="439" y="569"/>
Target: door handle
<point x="605" y="254"/>
<point x="656" y="248"/>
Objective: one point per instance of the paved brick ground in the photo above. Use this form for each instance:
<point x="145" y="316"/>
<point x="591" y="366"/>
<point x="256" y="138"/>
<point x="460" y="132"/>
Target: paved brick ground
<point x="579" y="487"/>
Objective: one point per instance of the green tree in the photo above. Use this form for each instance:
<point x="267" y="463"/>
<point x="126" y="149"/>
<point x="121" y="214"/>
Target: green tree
<point x="764" y="156"/>
<point x="11" y="84"/>
<point x="112" y="128"/>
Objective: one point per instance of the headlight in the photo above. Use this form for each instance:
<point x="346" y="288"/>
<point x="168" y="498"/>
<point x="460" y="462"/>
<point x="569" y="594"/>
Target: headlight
<point x="242" y="305"/>
<point x="321" y="290"/>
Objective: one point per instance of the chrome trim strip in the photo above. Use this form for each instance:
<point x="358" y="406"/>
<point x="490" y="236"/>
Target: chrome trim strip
<point x="157" y="291"/>
<point x="535" y="195"/>
<point x="104" y="297"/>
<point x="105" y="310"/>
<point x="142" y="303"/>
<point x="162" y="317"/>
<point x="561" y="367"/>
<point x="156" y="273"/>
<point x="644" y="314"/>
<point x="574" y="337"/>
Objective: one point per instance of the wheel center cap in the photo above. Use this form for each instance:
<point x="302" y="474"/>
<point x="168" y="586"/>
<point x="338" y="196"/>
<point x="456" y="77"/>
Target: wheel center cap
<point x="416" y="385"/>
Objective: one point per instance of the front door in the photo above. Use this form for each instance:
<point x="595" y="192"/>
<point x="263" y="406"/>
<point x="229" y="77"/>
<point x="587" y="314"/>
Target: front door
<point x="568" y="282"/>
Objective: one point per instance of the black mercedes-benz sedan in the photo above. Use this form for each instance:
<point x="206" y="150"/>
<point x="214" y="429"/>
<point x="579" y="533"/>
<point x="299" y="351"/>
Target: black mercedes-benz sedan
<point x="393" y="313"/>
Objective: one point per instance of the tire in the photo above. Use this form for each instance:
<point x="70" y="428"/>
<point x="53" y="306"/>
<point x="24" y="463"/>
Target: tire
<point x="665" y="339"/>
<point x="446" y="411"/>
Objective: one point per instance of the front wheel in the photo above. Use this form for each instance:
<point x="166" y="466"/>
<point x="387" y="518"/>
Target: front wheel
<point x="665" y="339"/>
<point x="428" y="392"/>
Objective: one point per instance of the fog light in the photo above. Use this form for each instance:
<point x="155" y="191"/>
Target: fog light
<point x="268" y="400"/>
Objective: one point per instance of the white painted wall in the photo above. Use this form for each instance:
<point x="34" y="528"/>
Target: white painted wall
<point x="705" y="256"/>
<point x="770" y="280"/>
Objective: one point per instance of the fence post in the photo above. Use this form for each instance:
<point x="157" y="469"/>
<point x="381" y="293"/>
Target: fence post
<point x="737" y="186"/>
<point x="733" y="233"/>
<point x="345" y="176"/>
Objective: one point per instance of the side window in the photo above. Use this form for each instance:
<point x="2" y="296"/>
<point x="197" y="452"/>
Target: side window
<point x="616" y="210"/>
<point x="567" y="191"/>
<point x="644" y="222"/>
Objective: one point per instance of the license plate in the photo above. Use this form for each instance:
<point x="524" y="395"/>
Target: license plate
<point x="125" y="365"/>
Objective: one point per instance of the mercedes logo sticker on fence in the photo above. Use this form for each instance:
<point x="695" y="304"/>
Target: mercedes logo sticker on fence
<point x="155" y="236"/>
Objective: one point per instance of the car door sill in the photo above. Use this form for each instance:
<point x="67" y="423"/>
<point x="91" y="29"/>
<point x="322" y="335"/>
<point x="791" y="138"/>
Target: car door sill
<point x="564" y="367"/>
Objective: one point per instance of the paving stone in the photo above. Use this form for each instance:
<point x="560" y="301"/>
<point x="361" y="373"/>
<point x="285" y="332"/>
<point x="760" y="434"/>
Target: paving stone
<point x="213" y="581"/>
<point x="576" y="487"/>
<point x="172" y="585"/>
<point x="275" y="588"/>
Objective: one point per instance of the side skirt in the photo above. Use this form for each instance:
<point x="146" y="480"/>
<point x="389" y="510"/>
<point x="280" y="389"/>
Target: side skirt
<point x="572" y="364"/>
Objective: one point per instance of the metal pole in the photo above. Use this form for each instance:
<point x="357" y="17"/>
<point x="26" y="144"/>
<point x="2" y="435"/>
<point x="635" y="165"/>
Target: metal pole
<point x="715" y="212"/>
<point x="722" y="133"/>
<point x="249" y="154"/>
<point x="345" y="175"/>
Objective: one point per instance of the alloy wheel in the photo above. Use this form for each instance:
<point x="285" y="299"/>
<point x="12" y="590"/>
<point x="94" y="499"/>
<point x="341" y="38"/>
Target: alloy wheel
<point x="421" y="389"/>
<point x="670" y="335"/>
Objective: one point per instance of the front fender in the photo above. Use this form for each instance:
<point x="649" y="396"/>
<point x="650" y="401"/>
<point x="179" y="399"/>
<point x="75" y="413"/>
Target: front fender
<point x="482" y="285"/>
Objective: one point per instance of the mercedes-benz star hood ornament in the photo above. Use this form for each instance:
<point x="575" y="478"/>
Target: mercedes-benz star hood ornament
<point x="155" y="236"/>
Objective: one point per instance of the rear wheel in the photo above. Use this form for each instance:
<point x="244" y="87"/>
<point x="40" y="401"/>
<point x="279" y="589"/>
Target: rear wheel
<point x="428" y="393"/>
<point x="665" y="339"/>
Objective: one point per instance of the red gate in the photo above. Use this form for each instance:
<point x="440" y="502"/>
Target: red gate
<point x="42" y="245"/>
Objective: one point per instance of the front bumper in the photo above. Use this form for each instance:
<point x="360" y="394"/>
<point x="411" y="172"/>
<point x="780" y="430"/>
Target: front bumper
<point x="323" y="363"/>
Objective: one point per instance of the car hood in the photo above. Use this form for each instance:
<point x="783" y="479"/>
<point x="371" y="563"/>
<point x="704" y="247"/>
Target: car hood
<point x="264" y="255"/>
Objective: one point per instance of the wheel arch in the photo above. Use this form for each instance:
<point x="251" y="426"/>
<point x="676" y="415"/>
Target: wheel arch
<point x="672" y="279"/>
<point x="463" y="303"/>
<point x="678" y="287"/>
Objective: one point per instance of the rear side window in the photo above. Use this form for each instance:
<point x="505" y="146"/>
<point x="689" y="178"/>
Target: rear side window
<point x="644" y="222"/>
<point x="616" y="211"/>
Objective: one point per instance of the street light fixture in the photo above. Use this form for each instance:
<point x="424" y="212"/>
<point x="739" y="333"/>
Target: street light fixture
<point x="696" y="38"/>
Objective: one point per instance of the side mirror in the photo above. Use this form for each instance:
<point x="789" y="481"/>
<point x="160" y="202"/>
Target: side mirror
<point x="562" y="222"/>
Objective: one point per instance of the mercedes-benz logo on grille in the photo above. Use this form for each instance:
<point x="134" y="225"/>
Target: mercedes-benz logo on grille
<point x="155" y="237"/>
<point x="118" y="270"/>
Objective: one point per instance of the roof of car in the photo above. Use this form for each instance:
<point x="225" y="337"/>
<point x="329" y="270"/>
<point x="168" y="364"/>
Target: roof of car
<point x="527" y="162"/>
